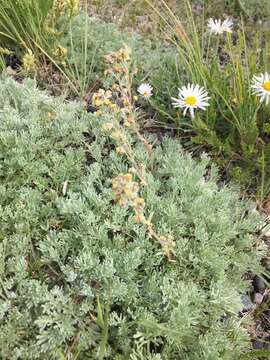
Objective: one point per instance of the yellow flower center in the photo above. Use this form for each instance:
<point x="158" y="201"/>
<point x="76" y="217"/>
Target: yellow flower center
<point x="191" y="100"/>
<point x="146" y="93"/>
<point x="266" y="86"/>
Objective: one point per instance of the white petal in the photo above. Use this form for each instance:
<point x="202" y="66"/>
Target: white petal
<point x="185" y="111"/>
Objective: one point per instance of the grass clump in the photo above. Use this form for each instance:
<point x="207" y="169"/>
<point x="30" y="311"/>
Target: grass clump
<point x="80" y="278"/>
<point x="22" y="22"/>
<point x="234" y="127"/>
<point x="30" y="31"/>
<point x="23" y="25"/>
<point x="87" y="40"/>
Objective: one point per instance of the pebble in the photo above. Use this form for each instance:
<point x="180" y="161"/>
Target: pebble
<point x="247" y="303"/>
<point x="91" y="109"/>
<point x="257" y="344"/>
<point x="258" y="298"/>
<point x="266" y="263"/>
<point x="259" y="284"/>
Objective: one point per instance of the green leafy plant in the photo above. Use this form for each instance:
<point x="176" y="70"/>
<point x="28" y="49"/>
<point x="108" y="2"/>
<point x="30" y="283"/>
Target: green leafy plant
<point x="80" y="278"/>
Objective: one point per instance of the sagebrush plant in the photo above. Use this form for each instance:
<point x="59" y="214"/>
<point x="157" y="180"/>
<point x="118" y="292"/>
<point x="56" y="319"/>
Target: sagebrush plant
<point x="235" y="127"/>
<point x="80" y="277"/>
<point x="88" y="39"/>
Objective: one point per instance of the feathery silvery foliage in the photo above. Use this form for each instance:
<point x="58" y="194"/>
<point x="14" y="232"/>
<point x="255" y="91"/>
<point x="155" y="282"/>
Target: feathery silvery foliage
<point x="79" y="275"/>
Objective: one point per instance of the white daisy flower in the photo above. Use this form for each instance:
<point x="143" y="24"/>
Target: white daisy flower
<point x="191" y="97"/>
<point x="217" y="27"/>
<point x="261" y="86"/>
<point x="145" y="90"/>
<point x="227" y="25"/>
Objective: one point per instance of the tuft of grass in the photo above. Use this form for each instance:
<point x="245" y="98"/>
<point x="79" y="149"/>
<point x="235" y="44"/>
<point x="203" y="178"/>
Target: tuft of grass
<point x="2" y="63"/>
<point x="23" y="23"/>
<point x="235" y="126"/>
<point x="79" y="67"/>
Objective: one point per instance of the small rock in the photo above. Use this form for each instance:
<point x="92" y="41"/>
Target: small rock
<point x="91" y="109"/>
<point x="257" y="344"/>
<point x="266" y="263"/>
<point x="257" y="298"/>
<point x="266" y="346"/>
<point x="10" y="71"/>
<point x="247" y="303"/>
<point x="259" y="284"/>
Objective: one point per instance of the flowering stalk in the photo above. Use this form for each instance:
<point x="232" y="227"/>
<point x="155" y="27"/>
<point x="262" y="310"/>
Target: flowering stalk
<point x="120" y="101"/>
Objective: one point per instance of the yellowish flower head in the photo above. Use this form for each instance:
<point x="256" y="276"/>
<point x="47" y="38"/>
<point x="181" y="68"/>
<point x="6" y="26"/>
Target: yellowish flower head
<point x="102" y="98"/>
<point x="69" y="6"/>
<point x="29" y="62"/>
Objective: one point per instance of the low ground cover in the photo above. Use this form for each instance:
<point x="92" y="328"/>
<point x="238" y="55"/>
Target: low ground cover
<point x="115" y="242"/>
<point x="80" y="277"/>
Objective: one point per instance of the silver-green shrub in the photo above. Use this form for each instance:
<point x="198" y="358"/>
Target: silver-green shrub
<point x="87" y="41"/>
<point x="79" y="278"/>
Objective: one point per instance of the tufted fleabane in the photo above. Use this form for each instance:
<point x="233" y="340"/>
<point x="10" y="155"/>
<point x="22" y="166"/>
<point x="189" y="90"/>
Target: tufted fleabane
<point x="191" y="97"/>
<point x="145" y="90"/>
<point x="217" y="27"/>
